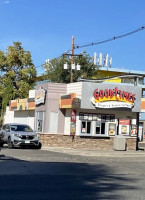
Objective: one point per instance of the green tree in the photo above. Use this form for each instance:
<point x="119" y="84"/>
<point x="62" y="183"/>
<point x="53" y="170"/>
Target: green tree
<point x="17" y="73"/>
<point x="55" y="71"/>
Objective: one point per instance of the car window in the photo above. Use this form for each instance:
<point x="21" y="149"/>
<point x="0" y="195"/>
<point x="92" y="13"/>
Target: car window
<point x="23" y="128"/>
<point x="7" y="127"/>
<point x="13" y="128"/>
<point x="4" y="127"/>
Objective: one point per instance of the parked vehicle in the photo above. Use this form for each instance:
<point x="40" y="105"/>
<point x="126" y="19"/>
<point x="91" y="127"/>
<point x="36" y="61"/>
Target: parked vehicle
<point x="19" y="135"/>
<point x="1" y="141"/>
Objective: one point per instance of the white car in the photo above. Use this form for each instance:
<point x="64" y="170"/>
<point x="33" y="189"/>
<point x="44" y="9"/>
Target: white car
<point x="19" y="135"/>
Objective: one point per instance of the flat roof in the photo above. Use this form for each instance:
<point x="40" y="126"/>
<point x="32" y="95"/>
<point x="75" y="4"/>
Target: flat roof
<point x="126" y="71"/>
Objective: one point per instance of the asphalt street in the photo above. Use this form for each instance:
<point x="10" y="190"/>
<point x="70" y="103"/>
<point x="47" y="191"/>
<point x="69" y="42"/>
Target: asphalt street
<point x="44" y="174"/>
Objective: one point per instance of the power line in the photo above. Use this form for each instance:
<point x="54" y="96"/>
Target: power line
<point x="103" y="41"/>
<point x="111" y="39"/>
<point x="39" y="65"/>
<point x="43" y="64"/>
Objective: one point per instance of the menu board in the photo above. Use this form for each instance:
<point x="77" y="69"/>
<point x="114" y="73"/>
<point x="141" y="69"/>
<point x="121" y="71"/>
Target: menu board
<point x="81" y="116"/>
<point x="96" y="117"/>
<point x="85" y="116"/>
<point x="112" y="118"/>
<point x="103" y="117"/>
<point x="108" y="118"/>
<point x="90" y="117"/>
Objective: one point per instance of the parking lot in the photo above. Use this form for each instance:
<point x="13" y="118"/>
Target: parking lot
<point x="47" y="174"/>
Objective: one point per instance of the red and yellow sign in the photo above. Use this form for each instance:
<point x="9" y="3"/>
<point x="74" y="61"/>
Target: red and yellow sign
<point x="73" y="115"/>
<point x="111" y="98"/>
<point x="124" y="122"/>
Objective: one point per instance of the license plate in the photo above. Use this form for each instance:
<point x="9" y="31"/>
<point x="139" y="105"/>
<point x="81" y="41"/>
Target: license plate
<point x="27" y="142"/>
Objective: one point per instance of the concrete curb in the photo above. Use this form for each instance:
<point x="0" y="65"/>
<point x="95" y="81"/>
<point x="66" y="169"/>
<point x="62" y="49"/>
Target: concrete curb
<point x="95" y="153"/>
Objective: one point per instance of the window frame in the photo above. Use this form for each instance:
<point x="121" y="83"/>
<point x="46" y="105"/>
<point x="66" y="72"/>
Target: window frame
<point x="7" y="128"/>
<point x="100" y="135"/>
<point x="85" y="133"/>
<point x="38" y="118"/>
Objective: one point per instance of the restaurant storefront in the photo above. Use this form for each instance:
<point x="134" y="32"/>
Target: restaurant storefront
<point x="90" y="115"/>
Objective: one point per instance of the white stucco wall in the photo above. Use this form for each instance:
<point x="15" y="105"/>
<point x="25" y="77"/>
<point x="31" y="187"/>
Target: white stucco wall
<point x="67" y="122"/>
<point x="74" y="88"/>
<point x="23" y="117"/>
<point x="32" y="93"/>
<point x="9" y="116"/>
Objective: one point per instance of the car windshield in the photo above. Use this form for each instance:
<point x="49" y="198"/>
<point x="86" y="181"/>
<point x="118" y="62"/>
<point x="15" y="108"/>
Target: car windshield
<point x="23" y="128"/>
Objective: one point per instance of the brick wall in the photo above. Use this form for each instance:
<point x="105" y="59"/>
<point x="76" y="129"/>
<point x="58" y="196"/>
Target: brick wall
<point x="131" y="143"/>
<point x="93" y="143"/>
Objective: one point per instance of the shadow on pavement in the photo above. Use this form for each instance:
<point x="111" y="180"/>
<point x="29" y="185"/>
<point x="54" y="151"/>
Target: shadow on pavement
<point x="61" y="181"/>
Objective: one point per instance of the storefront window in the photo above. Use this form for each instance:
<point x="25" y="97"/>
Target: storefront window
<point x="100" y="128"/>
<point x="96" y="124"/>
<point x="40" y="121"/>
<point x="86" y="127"/>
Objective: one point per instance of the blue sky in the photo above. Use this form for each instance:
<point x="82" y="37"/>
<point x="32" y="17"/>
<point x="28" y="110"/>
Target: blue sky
<point x="46" y="27"/>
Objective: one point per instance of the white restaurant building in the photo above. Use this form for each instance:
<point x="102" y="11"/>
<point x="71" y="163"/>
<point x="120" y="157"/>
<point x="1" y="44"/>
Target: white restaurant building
<point x="88" y="115"/>
<point x="85" y="114"/>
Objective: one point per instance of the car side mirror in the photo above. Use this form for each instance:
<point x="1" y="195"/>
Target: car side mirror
<point x="8" y="130"/>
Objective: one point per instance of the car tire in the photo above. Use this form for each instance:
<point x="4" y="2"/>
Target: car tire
<point x="1" y="144"/>
<point x="10" y="144"/>
<point x="39" y="146"/>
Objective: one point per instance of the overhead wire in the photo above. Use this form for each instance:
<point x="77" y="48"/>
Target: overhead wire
<point x="110" y="39"/>
<point x="103" y="41"/>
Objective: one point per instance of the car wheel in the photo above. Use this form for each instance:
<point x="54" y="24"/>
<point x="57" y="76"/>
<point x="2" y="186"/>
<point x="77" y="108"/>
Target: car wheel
<point x="39" y="146"/>
<point x="1" y="144"/>
<point x="10" y="144"/>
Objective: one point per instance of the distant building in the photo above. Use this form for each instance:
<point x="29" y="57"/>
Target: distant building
<point x="21" y="110"/>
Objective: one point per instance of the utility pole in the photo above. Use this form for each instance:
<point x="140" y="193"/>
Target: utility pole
<point x="72" y="60"/>
<point x="72" y="55"/>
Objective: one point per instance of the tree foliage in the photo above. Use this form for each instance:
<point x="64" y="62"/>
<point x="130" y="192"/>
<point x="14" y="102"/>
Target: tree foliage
<point x="17" y="73"/>
<point x="56" y="73"/>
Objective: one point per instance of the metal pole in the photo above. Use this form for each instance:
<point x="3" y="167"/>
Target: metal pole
<point x="136" y="79"/>
<point x="72" y="60"/>
<point x="137" y="139"/>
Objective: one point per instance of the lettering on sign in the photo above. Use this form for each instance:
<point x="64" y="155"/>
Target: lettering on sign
<point x="113" y="98"/>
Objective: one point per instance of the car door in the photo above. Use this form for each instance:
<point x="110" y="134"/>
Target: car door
<point x="3" y="131"/>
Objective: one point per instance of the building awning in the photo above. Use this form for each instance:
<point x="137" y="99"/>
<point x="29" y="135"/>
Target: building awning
<point x="22" y="104"/>
<point x="69" y="101"/>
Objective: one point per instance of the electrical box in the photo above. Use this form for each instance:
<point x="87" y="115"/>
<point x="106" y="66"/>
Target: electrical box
<point x="119" y="143"/>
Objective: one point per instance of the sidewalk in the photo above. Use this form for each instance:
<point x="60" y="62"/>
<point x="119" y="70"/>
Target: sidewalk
<point x="96" y="153"/>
